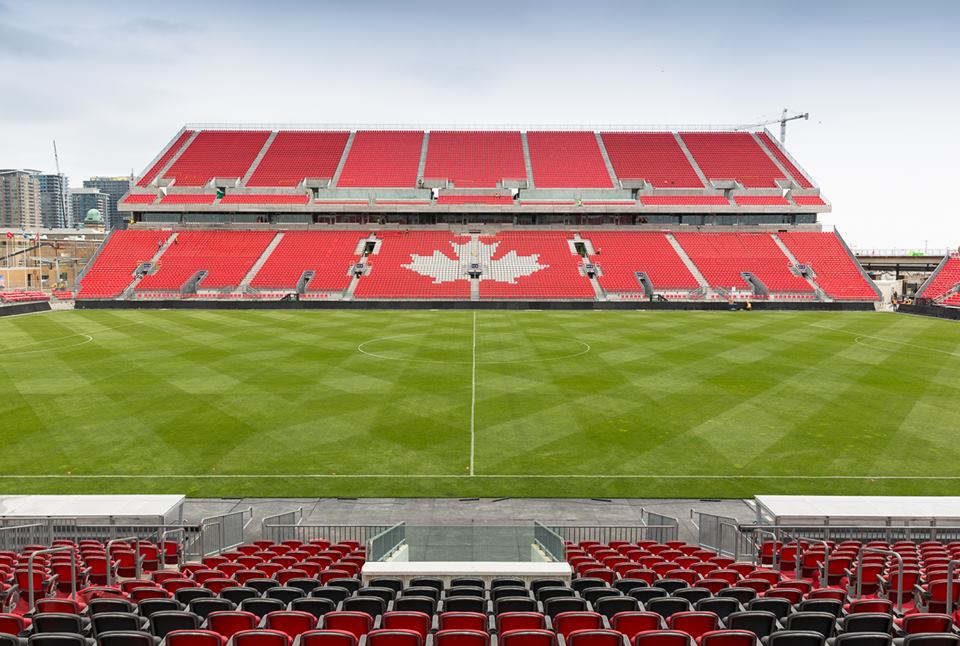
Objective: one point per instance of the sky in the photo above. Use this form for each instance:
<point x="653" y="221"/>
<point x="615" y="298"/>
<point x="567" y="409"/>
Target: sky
<point x="114" y="81"/>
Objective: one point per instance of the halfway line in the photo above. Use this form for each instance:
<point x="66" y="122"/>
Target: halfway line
<point x="473" y="393"/>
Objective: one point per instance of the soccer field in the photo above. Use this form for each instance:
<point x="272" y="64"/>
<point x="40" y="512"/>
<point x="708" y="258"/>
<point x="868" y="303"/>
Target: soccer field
<point x="492" y="403"/>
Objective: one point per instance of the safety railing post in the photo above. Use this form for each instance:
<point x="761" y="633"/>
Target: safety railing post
<point x="137" y="558"/>
<point x="31" y="592"/>
<point x="951" y="568"/>
<point x="876" y="550"/>
<point x="181" y="545"/>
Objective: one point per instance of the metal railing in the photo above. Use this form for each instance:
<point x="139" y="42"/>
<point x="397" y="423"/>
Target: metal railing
<point x="285" y="519"/>
<point x="951" y="568"/>
<point x="386" y="542"/>
<point x="31" y="592"/>
<point x="722" y="534"/>
<point x="181" y="544"/>
<point x="48" y="530"/>
<point x="17" y="537"/>
<point x="888" y="533"/>
<point x="332" y="533"/>
<point x="549" y="541"/>
<point x="222" y="531"/>
<point x="607" y="533"/>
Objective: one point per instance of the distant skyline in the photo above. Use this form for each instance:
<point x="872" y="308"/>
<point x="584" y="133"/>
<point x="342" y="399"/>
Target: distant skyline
<point x="113" y="81"/>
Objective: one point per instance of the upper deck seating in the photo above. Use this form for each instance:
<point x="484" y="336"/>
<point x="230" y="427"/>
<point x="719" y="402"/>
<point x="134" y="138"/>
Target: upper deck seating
<point x="297" y="155"/>
<point x="383" y="158"/>
<point x="217" y="153"/>
<point x="732" y="155"/>
<point x="475" y="159"/>
<point x="567" y="160"/>
<point x="165" y="158"/>
<point x="653" y="156"/>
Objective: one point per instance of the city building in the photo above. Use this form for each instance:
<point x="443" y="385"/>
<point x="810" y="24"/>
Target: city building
<point x="116" y="188"/>
<point x="54" y="201"/>
<point x="84" y="199"/>
<point x="19" y="198"/>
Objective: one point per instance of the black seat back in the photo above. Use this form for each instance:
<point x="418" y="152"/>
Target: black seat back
<point x="314" y="605"/>
<point x="554" y="606"/>
<point x="306" y="585"/>
<point x="334" y="593"/>
<point x="416" y="603"/>
<point x="57" y="622"/>
<point x="778" y="606"/>
<point x="105" y="622"/>
<point x="464" y="604"/>
<point x="350" y="584"/>
<point x="645" y="595"/>
<point x="96" y="606"/>
<point x="552" y="592"/>
<point x="261" y="606"/>
<point x="426" y="582"/>
<point x="166" y="621"/>
<point x="125" y="638"/>
<point x="626" y="585"/>
<point x="868" y="622"/>
<point x="504" y="582"/>
<point x="863" y="639"/>
<point x="464" y="591"/>
<point x="796" y="638"/>
<point x="386" y="582"/>
<point x="592" y="594"/>
<point x="149" y="606"/>
<point x="508" y="591"/>
<point x="469" y="581"/>
<point x="237" y="594"/>
<point x="759" y="622"/>
<point x="373" y="606"/>
<point x="589" y="582"/>
<point x="204" y="607"/>
<point x="386" y="594"/>
<point x="261" y="585"/>
<point x="670" y="585"/>
<point x="514" y="604"/>
<point x="536" y="584"/>
<point x="723" y="607"/>
<point x="612" y="604"/>
<point x="284" y="594"/>
<point x="818" y="622"/>
<point x="186" y="595"/>
<point x="693" y="595"/>
<point x="421" y="591"/>
<point x="667" y="606"/>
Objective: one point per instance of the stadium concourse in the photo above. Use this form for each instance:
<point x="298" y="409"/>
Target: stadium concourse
<point x="603" y="216"/>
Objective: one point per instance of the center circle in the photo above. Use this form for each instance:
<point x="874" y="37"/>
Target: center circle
<point x="493" y="348"/>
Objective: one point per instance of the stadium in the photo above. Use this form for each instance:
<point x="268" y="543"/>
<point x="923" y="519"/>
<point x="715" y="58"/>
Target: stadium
<point x="370" y="384"/>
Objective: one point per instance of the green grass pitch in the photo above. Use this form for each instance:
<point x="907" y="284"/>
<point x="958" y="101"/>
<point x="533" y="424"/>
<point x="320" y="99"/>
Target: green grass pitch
<point x="406" y="403"/>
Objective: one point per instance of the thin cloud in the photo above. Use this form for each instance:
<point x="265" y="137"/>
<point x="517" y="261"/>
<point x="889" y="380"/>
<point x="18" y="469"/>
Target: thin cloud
<point x="21" y="44"/>
<point x="157" y="26"/>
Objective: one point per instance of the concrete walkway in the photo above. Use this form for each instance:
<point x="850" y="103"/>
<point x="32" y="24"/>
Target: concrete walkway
<point x="483" y="511"/>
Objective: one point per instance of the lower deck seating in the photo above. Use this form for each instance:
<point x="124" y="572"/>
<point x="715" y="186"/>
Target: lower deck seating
<point x="637" y="592"/>
<point x="112" y="272"/>
<point x="329" y="254"/>
<point x="836" y="270"/>
<point x="534" y="264"/>
<point x="723" y="257"/>
<point x="415" y="264"/>
<point x="23" y="297"/>
<point x="620" y="255"/>
<point x="946" y="279"/>
<point x="227" y="256"/>
<point x="512" y="264"/>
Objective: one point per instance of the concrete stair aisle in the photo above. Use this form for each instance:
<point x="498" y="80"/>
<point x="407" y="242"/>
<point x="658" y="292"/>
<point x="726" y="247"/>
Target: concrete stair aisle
<point x="689" y="156"/>
<point x="128" y="292"/>
<point x="526" y="160"/>
<point x="256" y="162"/>
<point x="422" y="164"/>
<point x="607" y="162"/>
<point x="689" y="263"/>
<point x="245" y="283"/>
<point x="822" y="295"/>
<point x="343" y="159"/>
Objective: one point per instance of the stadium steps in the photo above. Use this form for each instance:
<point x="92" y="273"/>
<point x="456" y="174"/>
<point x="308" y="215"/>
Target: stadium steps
<point x="245" y="283"/>
<point x="526" y="160"/>
<point x="606" y="160"/>
<point x="131" y="288"/>
<point x="692" y="268"/>
<point x="933" y="276"/>
<point x="343" y="159"/>
<point x="786" y="173"/>
<point x="863" y="272"/>
<point x="422" y="164"/>
<point x="821" y="294"/>
<point x="693" y="162"/>
<point x="259" y="158"/>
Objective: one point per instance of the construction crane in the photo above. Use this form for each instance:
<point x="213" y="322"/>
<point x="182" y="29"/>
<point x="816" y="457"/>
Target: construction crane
<point x="782" y="121"/>
<point x="63" y="189"/>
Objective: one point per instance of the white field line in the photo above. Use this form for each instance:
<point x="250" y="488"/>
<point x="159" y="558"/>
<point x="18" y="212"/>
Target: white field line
<point x="87" y="338"/>
<point x="859" y="340"/>
<point x="473" y="395"/>
<point x="645" y="476"/>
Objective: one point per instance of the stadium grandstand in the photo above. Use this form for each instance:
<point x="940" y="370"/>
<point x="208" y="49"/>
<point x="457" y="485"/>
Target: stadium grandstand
<point x="600" y="216"/>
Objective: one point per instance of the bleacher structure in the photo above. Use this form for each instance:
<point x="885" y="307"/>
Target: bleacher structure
<point x="587" y="215"/>
<point x="636" y="592"/>
<point x="414" y="176"/>
<point x="943" y="286"/>
<point x="511" y="264"/>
